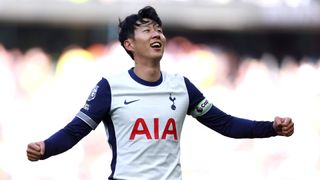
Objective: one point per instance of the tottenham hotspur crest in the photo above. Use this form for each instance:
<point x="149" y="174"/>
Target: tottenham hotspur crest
<point x="93" y="93"/>
<point x="172" y="99"/>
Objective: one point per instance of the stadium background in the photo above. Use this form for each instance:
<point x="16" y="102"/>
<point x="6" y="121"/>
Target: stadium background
<point x="251" y="58"/>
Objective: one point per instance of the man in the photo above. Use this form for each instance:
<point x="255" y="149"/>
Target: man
<point x="143" y="111"/>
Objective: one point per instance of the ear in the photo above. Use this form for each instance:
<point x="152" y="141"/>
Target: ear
<point x="128" y="44"/>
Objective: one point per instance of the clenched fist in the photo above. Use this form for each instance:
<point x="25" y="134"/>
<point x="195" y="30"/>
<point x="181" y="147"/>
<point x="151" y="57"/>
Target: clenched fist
<point x="35" y="151"/>
<point x="283" y="126"/>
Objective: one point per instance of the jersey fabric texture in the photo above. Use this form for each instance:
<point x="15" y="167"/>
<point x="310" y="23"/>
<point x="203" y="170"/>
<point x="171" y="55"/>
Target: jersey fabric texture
<point x="143" y="121"/>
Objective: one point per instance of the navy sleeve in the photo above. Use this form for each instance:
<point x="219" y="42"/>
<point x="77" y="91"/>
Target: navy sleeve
<point x="94" y="111"/>
<point x="225" y="124"/>
<point x="66" y="137"/>
<point x="98" y="104"/>
<point x="235" y="127"/>
<point x="195" y="96"/>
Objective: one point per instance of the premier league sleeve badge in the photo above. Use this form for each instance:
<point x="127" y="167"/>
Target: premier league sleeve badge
<point x="93" y="93"/>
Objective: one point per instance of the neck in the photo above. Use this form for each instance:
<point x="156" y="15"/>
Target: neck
<point x="147" y="73"/>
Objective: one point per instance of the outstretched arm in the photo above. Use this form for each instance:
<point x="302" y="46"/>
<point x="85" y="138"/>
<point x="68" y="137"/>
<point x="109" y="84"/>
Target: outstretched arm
<point x="235" y="127"/>
<point x="87" y="119"/>
<point x="231" y="126"/>
<point x="59" y="142"/>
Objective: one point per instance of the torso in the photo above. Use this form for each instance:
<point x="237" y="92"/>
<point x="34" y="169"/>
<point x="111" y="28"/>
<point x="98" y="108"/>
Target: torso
<point x="147" y="120"/>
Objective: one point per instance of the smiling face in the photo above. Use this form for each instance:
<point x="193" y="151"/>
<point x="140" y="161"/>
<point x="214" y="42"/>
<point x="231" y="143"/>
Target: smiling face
<point x="148" y="41"/>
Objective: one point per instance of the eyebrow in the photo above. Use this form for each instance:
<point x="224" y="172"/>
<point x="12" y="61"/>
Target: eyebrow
<point x="148" y="23"/>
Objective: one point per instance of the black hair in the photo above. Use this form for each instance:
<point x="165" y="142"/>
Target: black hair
<point x="127" y="26"/>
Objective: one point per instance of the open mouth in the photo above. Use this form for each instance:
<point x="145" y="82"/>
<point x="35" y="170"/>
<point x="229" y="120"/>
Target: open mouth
<point x="156" y="45"/>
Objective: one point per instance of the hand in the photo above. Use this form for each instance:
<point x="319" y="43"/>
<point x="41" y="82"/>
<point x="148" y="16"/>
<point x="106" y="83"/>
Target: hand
<point x="35" y="151"/>
<point x="283" y="126"/>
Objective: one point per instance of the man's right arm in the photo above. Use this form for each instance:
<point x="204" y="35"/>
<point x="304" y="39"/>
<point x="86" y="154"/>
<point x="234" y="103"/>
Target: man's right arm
<point x="95" y="110"/>
<point x="66" y="137"/>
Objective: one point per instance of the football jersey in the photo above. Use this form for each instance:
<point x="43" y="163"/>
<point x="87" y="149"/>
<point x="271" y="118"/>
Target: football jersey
<point x="143" y="121"/>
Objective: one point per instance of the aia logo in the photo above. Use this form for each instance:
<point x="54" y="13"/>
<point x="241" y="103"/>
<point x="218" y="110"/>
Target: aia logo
<point x="140" y="128"/>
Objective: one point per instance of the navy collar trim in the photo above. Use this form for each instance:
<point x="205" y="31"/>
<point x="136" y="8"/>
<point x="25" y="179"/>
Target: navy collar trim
<point x="143" y="82"/>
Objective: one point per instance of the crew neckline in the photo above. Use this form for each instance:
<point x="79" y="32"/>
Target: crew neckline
<point x="144" y="82"/>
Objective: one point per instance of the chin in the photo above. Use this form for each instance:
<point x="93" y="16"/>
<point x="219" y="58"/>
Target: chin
<point x="157" y="57"/>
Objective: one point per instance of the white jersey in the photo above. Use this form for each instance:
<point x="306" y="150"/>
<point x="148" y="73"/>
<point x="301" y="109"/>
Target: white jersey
<point x="143" y="121"/>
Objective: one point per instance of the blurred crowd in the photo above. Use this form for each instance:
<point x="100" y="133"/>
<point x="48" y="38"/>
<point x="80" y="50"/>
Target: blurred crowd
<point x="40" y="94"/>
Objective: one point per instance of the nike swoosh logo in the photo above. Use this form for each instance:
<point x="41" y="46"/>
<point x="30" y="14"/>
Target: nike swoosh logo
<point x="129" y="102"/>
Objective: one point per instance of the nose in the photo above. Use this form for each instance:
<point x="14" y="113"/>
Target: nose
<point x="155" y="34"/>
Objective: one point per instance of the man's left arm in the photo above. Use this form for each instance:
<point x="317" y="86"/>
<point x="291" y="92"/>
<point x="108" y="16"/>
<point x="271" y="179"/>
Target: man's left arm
<point x="235" y="127"/>
<point x="230" y="126"/>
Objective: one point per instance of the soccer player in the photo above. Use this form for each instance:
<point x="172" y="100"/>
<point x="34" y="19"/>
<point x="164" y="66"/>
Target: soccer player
<point x="143" y="110"/>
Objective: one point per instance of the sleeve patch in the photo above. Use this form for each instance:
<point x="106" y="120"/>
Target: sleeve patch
<point x="202" y="108"/>
<point x="93" y="93"/>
